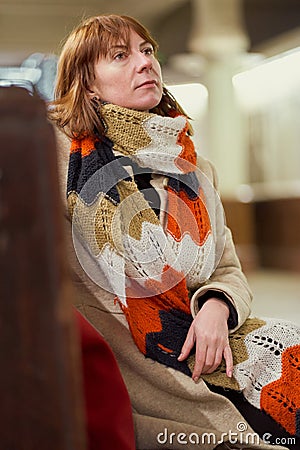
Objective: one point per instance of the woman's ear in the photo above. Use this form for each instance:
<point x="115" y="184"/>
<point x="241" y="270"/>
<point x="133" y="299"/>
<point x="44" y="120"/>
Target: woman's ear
<point x="92" y="95"/>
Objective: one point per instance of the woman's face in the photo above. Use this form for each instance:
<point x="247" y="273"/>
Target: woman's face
<point x="129" y="76"/>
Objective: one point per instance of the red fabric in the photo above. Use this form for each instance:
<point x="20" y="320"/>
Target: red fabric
<point x="108" y="409"/>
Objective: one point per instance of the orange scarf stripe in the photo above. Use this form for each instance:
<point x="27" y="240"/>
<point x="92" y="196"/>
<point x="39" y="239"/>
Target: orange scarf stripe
<point x="187" y="216"/>
<point x="143" y="314"/>
<point x="285" y="391"/>
<point x="187" y="158"/>
<point x="86" y="146"/>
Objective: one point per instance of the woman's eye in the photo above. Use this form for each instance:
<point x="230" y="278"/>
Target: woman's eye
<point x="148" y="50"/>
<point x="120" y="55"/>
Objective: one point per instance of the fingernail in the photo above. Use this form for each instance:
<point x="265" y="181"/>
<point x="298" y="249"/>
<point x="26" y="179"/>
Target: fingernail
<point x="180" y="356"/>
<point x="229" y="374"/>
<point x="195" y="379"/>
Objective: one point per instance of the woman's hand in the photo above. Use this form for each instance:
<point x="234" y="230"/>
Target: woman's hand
<point x="209" y="331"/>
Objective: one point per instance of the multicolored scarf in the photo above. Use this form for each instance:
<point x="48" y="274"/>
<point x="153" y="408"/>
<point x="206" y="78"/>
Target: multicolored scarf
<point x="153" y="251"/>
<point x="150" y="263"/>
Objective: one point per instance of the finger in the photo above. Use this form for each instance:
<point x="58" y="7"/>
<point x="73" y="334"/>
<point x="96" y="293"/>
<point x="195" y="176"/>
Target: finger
<point x="214" y="361"/>
<point x="200" y="359"/>
<point x="188" y="345"/>
<point x="228" y="360"/>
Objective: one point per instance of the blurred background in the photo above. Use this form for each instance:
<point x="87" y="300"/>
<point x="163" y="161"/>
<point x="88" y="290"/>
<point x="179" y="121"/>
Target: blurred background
<point x="235" y="67"/>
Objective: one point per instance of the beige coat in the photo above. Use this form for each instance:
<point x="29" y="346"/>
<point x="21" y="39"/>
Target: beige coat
<point x="169" y="409"/>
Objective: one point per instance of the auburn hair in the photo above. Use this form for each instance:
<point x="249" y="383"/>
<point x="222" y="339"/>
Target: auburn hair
<point x="72" y="109"/>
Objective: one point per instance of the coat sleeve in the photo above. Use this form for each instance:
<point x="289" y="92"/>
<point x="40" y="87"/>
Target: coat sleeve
<point x="228" y="277"/>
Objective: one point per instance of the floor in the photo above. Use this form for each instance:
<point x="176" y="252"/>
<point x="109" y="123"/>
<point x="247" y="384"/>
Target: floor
<point x="275" y="294"/>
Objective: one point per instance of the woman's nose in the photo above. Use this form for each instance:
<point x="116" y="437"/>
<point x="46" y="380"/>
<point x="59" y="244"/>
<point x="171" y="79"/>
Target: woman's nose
<point x="144" y="62"/>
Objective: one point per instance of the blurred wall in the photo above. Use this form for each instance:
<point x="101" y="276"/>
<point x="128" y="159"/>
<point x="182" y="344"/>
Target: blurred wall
<point x="28" y="26"/>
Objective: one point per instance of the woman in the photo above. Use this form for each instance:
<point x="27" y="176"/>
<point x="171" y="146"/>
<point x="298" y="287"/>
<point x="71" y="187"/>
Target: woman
<point x="148" y="231"/>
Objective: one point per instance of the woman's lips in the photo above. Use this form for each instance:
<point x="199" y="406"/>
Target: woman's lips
<point x="149" y="83"/>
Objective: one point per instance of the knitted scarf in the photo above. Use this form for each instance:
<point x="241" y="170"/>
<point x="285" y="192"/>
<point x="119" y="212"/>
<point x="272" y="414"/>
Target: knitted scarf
<point x="150" y="263"/>
<point x="152" y="251"/>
